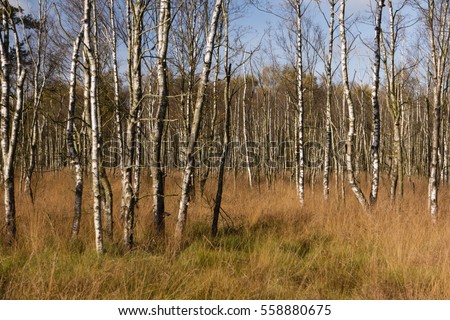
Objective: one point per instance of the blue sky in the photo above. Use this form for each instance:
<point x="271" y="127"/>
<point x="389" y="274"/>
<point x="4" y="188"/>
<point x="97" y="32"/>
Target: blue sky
<point x="25" y="4"/>
<point x="255" y="22"/>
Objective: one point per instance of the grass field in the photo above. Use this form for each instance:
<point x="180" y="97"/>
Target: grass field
<point x="271" y="250"/>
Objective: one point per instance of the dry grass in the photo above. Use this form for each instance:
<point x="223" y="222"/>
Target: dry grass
<point x="272" y="250"/>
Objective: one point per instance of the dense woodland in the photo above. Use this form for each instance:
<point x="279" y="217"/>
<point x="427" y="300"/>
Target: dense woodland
<point x="126" y="89"/>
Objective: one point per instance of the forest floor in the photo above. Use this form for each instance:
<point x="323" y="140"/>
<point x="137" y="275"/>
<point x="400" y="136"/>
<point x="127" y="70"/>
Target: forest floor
<point x="270" y="248"/>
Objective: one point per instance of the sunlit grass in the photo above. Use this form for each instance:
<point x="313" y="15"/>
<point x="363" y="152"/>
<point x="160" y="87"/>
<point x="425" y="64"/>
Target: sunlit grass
<point x="268" y="247"/>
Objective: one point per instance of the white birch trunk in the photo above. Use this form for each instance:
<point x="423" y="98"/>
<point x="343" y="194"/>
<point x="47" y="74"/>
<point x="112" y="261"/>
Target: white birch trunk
<point x="95" y="148"/>
<point x="439" y="44"/>
<point x="158" y="129"/>
<point x="301" y="161"/>
<point x="10" y="129"/>
<point x="39" y="81"/>
<point x="135" y="11"/>
<point x="204" y="77"/>
<point x="117" y="118"/>
<point x="376" y="106"/>
<point x="392" y="99"/>
<point x="244" y="127"/>
<point x="329" y="75"/>
<point x="351" y="114"/>
<point x="10" y="212"/>
<point x="73" y="152"/>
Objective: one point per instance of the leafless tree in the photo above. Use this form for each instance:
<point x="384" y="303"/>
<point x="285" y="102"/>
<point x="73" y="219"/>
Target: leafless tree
<point x="135" y="30"/>
<point x="95" y="125"/>
<point x="71" y="143"/>
<point x="376" y="105"/>
<point x="203" y="81"/>
<point x="329" y="79"/>
<point x="437" y="23"/>
<point x="226" y="133"/>
<point x="9" y="128"/>
<point x="38" y="57"/>
<point x="350" y="144"/>
<point x="300" y="164"/>
<point x="164" y="24"/>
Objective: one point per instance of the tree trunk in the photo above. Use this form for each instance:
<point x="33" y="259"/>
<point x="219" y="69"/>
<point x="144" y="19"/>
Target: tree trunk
<point x="107" y="203"/>
<point x="244" y="127"/>
<point x="351" y="115"/>
<point x="38" y="87"/>
<point x="395" y="163"/>
<point x="135" y="31"/>
<point x="117" y="116"/>
<point x="301" y="161"/>
<point x="10" y="130"/>
<point x="95" y="127"/>
<point x="226" y="134"/>
<point x="374" y="151"/>
<point x="439" y="44"/>
<point x="73" y="153"/>
<point x="329" y="76"/>
<point x="158" y="129"/>
<point x="204" y="77"/>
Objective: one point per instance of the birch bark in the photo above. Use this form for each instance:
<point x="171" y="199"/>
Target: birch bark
<point x="95" y="147"/>
<point x="374" y="151"/>
<point x="226" y="133"/>
<point x="39" y="80"/>
<point x="329" y="75"/>
<point x="73" y="152"/>
<point x="158" y="129"/>
<point x="300" y="102"/>
<point x="9" y="129"/>
<point x="203" y="81"/>
<point x="135" y="30"/>
<point x="439" y="45"/>
<point x="351" y="113"/>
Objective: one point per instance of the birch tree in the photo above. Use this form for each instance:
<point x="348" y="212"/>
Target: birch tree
<point x="300" y="165"/>
<point x="374" y="151"/>
<point x="349" y="145"/>
<point x="189" y="37"/>
<point x="329" y="78"/>
<point x="39" y="79"/>
<point x="71" y="143"/>
<point x="437" y="23"/>
<point x="117" y="115"/>
<point x="105" y="186"/>
<point x="226" y="133"/>
<point x="9" y="128"/>
<point x="244" y="123"/>
<point x="95" y="126"/>
<point x="203" y="82"/>
<point x="135" y="29"/>
<point x="164" y="23"/>
<point x="393" y="92"/>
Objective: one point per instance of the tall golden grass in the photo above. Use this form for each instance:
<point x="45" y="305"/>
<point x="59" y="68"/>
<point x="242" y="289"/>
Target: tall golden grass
<point x="270" y="248"/>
